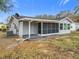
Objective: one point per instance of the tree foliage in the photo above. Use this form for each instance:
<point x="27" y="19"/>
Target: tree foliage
<point x="64" y="14"/>
<point x="60" y="15"/>
<point x="45" y="16"/>
<point x="5" y="5"/>
<point x="77" y="8"/>
<point x="75" y="18"/>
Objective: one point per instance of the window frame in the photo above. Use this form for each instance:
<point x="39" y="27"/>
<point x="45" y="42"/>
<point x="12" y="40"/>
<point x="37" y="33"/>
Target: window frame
<point x="61" y="26"/>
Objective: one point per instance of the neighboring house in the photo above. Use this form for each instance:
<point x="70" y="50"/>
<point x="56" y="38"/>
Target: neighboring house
<point x="3" y="27"/>
<point x="30" y="27"/>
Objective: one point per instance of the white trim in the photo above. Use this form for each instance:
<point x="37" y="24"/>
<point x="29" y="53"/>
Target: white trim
<point x="21" y="29"/>
<point x="39" y="20"/>
<point x="63" y="26"/>
<point x="67" y="18"/>
<point x="53" y="34"/>
<point x="59" y="27"/>
<point x="41" y="28"/>
<point x="29" y="28"/>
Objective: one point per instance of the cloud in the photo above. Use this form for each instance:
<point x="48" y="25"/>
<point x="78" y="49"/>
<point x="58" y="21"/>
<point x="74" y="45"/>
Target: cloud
<point x="65" y="2"/>
<point x="62" y="2"/>
<point x="14" y="0"/>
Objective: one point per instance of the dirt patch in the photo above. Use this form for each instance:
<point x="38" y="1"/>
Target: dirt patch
<point x="6" y="41"/>
<point x="52" y="47"/>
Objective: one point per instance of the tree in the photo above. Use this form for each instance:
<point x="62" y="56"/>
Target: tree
<point x="5" y="5"/>
<point x="75" y="17"/>
<point x="45" y="16"/>
<point x="63" y="14"/>
<point x="77" y="8"/>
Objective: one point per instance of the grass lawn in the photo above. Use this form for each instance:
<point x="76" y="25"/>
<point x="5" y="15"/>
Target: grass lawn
<point x="58" y="47"/>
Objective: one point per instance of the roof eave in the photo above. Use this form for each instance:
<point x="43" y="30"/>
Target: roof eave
<point x="39" y="20"/>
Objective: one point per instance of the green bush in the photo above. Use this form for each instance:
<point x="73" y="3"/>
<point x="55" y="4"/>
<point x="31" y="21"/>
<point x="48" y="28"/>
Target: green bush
<point x="3" y="27"/>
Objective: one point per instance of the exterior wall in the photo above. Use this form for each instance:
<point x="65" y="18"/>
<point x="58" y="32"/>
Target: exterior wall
<point x="64" y="21"/>
<point x="12" y="26"/>
<point x="67" y="22"/>
<point x="34" y="28"/>
<point x="77" y="26"/>
<point x="64" y="31"/>
<point x="73" y="27"/>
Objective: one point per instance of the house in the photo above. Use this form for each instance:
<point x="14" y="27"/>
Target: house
<point x="3" y="27"/>
<point x="30" y="27"/>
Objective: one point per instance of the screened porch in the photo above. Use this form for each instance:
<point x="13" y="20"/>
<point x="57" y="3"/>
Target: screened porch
<point x="38" y="29"/>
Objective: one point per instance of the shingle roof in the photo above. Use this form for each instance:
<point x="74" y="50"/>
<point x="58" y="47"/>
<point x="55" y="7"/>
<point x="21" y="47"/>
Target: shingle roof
<point x="20" y="17"/>
<point x="27" y="18"/>
<point x="56" y="19"/>
<point x="34" y="19"/>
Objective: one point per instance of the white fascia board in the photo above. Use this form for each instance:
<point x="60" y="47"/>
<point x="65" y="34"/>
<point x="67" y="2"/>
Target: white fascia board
<point x="39" y="20"/>
<point x="67" y="18"/>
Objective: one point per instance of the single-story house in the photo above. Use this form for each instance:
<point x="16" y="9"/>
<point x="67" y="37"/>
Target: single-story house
<point x="29" y="27"/>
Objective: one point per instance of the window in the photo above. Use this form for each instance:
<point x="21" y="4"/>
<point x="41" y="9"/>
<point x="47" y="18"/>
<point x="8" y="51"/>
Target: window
<point x="68" y="26"/>
<point x="65" y="26"/>
<point x="61" y="26"/>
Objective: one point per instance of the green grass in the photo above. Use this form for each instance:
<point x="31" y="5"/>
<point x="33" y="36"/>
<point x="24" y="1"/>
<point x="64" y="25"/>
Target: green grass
<point x="76" y="56"/>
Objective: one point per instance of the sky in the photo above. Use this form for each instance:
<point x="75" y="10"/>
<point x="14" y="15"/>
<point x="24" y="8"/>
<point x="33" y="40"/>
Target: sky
<point x="38" y="7"/>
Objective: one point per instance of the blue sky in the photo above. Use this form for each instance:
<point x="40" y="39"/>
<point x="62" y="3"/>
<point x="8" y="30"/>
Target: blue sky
<point x="38" y="7"/>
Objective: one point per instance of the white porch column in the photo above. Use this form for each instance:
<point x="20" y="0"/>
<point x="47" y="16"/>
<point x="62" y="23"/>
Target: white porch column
<point x="21" y="29"/>
<point x="29" y="28"/>
<point x="41" y="28"/>
<point x="63" y="26"/>
<point x="59" y="27"/>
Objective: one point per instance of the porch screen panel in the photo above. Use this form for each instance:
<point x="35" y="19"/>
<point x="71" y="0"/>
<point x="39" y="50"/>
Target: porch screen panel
<point x="50" y="28"/>
<point x="53" y="28"/>
<point x="45" y="28"/>
<point x="56" y="27"/>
